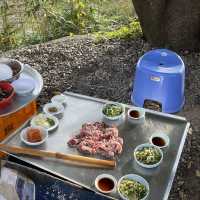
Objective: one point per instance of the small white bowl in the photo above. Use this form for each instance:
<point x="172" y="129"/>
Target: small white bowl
<point x="101" y="176"/>
<point x="138" y="120"/>
<point x="58" y="114"/>
<point x="137" y="178"/>
<point x="33" y="121"/>
<point x="163" y="136"/>
<point x="145" y="165"/>
<point x="44" y="134"/>
<point x="116" y="117"/>
<point x="62" y="99"/>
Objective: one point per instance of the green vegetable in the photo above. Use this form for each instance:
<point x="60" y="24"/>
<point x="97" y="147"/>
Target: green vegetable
<point x="132" y="190"/>
<point x="148" y="155"/>
<point x="112" y="110"/>
<point x="51" y="122"/>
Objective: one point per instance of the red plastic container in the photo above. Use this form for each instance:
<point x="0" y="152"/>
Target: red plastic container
<point x="6" y="101"/>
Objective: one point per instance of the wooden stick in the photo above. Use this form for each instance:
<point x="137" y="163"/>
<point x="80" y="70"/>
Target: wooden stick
<point x="49" y="154"/>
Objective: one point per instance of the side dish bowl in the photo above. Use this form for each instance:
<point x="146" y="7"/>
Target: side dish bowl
<point x="113" y="111"/>
<point x="55" y="109"/>
<point x="43" y="134"/>
<point x="6" y="87"/>
<point x="160" y="140"/>
<point x="148" y="155"/>
<point x="16" y="67"/>
<point x="46" y="121"/>
<point x="135" y="178"/>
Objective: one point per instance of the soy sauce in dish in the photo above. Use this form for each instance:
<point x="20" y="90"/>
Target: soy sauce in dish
<point x="106" y="184"/>
<point x="158" y="141"/>
<point x="134" y="114"/>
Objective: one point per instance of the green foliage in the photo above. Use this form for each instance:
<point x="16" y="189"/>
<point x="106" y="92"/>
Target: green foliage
<point x="44" y="20"/>
<point x="125" y="32"/>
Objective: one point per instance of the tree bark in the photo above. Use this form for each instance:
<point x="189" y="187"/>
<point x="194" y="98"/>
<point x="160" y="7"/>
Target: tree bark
<point x="170" y="23"/>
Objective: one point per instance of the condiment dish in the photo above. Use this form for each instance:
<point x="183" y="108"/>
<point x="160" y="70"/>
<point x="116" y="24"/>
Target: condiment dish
<point x="147" y="145"/>
<point x="160" y="140"/>
<point x="55" y="109"/>
<point x="62" y="99"/>
<point x="136" y="115"/>
<point x="133" y="177"/>
<point x="43" y="132"/>
<point x="106" y="183"/>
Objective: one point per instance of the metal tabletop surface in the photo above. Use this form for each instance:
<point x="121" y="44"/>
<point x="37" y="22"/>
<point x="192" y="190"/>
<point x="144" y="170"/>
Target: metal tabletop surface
<point x="83" y="109"/>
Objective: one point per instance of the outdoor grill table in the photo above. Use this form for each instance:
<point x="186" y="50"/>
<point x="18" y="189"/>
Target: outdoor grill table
<point x="81" y="109"/>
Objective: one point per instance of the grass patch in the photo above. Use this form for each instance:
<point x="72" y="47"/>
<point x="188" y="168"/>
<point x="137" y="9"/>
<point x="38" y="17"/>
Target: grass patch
<point x="130" y="31"/>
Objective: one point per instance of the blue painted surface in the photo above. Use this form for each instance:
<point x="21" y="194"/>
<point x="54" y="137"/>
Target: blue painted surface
<point x="51" y="188"/>
<point x="160" y="76"/>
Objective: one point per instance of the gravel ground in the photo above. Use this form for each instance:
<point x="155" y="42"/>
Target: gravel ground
<point x="106" y="70"/>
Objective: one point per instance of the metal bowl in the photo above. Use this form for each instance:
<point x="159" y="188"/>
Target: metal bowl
<point x="15" y="65"/>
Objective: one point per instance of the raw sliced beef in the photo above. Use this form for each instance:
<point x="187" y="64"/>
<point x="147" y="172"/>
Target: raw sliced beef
<point x="98" y="138"/>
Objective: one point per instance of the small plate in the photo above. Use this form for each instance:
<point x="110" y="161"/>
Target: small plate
<point x="61" y="98"/>
<point x="137" y="178"/>
<point x="44" y="134"/>
<point x="33" y="123"/>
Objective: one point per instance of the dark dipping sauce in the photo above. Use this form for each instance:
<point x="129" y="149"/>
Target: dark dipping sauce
<point x="106" y="184"/>
<point x="158" y="141"/>
<point x="134" y="114"/>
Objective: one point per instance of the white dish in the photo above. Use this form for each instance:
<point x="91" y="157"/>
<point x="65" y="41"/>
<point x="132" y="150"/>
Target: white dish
<point x="58" y="106"/>
<point x="146" y="165"/>
<point x="44" y="134"/>
<point x="101" y="176"/>
<point x="5" y="72"/>
<point x="138" y="120"/>
<point x="62" y="99"/>
<point x="23" y="86"/>
<point x="34" y="123"/>
<point x="137" y="178"/>
<point x="115" y="117"/>
<point x="165" y="137"/>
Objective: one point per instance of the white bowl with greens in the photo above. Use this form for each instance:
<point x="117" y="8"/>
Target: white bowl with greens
<point x="148" y="155"/>
<point x="49" y="122"/>
<point x="133" y="186"/>
<point x="113" y="111"/>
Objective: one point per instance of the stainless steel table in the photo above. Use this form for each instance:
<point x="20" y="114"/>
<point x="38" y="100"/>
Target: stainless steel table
<point x="83" y="109"/>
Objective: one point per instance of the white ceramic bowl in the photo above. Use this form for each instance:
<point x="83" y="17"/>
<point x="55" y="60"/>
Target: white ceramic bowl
<point x="137" y="178"/>
<point x="62" y="99"/>
<point x="116" y="117"/>
<point x="101" y="176"/>
<point x="60" y="108"/>
<point x="140" y="119"/>
<point x="23" y="86"/>
<point x="44" y="134"/>
<point x="165" y="137"/>
<point x="55" y="119"/>
<point x="145" y="165"/>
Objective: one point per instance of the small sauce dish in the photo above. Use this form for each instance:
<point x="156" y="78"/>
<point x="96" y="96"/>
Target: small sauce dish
<point x="55" y="109"/>
<point x="34" y="136"/>
<point x="160" y="140"/>
<point x="106" y="183"/>
<point x="62" y="99"/>
<point x="136" y="115"/>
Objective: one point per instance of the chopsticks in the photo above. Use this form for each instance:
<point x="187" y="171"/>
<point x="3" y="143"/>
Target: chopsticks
<point x="79" y="160"/>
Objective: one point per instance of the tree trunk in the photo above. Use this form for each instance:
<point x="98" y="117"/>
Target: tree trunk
<point x="170" y="23"/>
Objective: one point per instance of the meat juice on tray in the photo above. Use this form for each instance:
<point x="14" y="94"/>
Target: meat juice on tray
<point x="98" y="138"/>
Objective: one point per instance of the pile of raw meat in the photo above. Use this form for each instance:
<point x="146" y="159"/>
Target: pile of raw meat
<point x="98" y="138"/>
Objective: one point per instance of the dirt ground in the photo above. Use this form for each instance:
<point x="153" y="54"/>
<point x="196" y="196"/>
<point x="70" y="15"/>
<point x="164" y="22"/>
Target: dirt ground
<point x="106" y="70"/>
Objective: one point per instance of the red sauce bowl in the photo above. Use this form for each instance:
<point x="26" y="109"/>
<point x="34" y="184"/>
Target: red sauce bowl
<point x="6" y="101"/>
